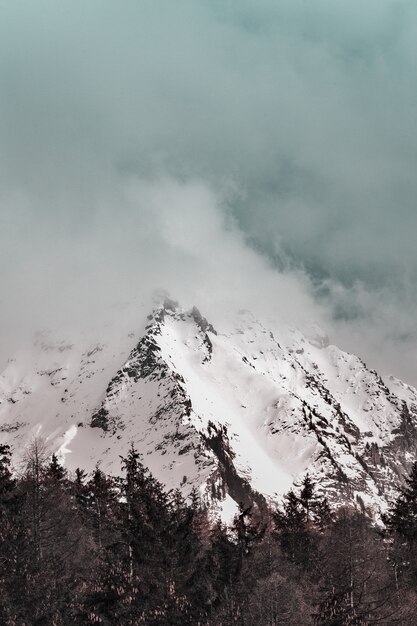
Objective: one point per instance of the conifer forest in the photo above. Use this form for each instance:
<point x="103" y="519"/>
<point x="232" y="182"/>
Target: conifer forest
<point x="97" y="549"/>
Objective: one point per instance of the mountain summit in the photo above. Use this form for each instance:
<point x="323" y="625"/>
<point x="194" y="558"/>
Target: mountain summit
<point x="242" y="413"/>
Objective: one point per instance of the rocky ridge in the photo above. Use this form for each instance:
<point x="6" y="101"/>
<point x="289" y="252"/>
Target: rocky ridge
<point x="242" y="412"/>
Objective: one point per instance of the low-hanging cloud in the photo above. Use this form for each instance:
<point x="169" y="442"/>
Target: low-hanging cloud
<point x="224" y="151"/>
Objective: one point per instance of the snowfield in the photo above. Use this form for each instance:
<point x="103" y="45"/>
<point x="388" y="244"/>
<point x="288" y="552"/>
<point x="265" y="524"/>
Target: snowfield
<point x="231" y="410"/>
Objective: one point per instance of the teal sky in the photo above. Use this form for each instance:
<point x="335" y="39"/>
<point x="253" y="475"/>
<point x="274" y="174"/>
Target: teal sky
<point x="285" y="129"/>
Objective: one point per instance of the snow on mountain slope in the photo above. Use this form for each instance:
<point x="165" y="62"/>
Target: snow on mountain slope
<point x="236" y="411"/>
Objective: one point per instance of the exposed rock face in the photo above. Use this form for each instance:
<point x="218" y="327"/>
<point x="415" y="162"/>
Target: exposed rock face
<point x="244" y="412"/>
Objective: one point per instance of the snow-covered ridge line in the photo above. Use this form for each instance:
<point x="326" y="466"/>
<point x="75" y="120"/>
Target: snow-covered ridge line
<point x="237" y="412"/>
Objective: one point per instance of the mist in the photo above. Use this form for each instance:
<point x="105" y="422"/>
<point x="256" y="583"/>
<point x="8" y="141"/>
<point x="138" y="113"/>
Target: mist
<point x="235" y="154"/>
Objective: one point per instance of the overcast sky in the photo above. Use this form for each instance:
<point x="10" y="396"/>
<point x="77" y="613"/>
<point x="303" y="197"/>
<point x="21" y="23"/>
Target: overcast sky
<point x="258" y="152"/>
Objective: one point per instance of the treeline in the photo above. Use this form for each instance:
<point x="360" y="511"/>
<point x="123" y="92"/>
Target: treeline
<point x="88" y="550"/>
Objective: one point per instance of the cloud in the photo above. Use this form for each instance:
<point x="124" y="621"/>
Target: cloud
<point x="200" y="144"/>
<point x="168" y="234"/>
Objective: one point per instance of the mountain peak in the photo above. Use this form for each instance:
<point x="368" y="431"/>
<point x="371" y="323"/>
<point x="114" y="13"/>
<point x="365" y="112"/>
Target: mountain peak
<point x="240" y="412"/>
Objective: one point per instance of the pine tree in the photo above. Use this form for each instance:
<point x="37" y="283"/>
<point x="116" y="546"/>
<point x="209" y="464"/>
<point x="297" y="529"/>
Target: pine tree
<point x="9" y="536"/>
<point x="307" y="498"/>
<point x="317" y="510"/>
<point x="7" y="483"/>
<point x="147" y="526"/>
<point x="81" y="491"/>
<point x="323" y="515"/>
<point x="100" y="497"/>
<point x="55" y="470"/>
<point x="402" y="517"/>
<point x="401" y="527"/>
<point x="136" y="583"/>
<point x="295" y="537"/>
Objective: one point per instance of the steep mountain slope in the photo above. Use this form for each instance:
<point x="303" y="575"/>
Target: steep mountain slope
<point x="240" y="412"/>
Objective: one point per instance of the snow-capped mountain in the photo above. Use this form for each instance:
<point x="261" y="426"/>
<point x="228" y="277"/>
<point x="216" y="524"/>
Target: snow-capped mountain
<point x="241" y="412"/>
